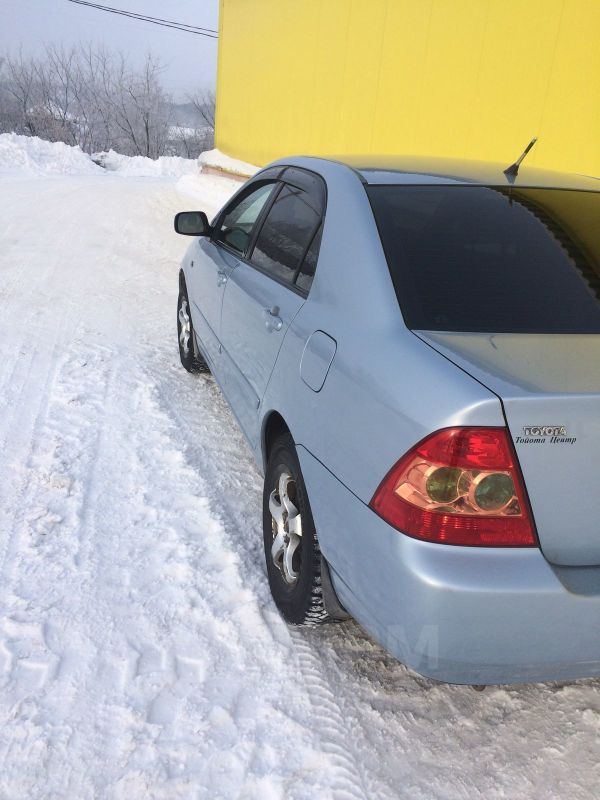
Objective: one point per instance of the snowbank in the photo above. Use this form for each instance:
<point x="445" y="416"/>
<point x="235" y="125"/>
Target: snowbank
<point x="138" y="166"/>
<point x="218" y="160"/>
<point x="32" y="156"/>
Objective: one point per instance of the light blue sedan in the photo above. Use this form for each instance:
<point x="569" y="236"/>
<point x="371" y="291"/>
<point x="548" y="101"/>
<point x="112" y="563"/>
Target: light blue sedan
<point x="412" y="349"/>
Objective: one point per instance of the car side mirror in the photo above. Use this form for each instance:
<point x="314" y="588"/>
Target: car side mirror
<point x="192" y="223"/>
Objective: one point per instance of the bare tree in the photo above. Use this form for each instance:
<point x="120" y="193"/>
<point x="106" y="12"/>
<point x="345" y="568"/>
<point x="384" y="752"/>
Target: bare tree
<point x="122" y="109"/>
<point x="189" y="142"/>
<point x="146" y="109"/>
<point x="205" y="103"/>
<point x="20" y="84"/>
<point x="92" y="97"/>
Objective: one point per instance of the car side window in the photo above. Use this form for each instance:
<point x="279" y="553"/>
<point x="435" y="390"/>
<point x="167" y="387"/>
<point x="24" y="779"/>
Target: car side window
<point x="307" y="269"/>
<point x="236" y="225"/>
<point x="287" y="232"/>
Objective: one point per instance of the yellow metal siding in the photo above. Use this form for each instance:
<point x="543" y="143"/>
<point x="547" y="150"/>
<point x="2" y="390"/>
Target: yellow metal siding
<point x="462" y="78"/>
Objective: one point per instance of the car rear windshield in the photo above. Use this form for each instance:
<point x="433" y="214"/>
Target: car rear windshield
<point x="492" y="259"/>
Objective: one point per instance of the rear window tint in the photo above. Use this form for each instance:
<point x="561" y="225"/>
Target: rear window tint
<point x="493" y="260"/>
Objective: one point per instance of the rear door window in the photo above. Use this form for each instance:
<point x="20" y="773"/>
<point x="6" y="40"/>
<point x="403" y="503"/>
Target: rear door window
<point x="288" y="232"/>
<point x="492" y="259"/>
<point x="307" y="269"/>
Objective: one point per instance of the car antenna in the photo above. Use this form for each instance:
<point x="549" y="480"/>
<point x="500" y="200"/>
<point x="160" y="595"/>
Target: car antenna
<point x="512" y="171"/>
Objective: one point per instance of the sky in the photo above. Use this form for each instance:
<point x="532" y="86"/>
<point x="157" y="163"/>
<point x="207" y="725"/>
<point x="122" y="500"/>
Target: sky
<point x="190" y="61"/>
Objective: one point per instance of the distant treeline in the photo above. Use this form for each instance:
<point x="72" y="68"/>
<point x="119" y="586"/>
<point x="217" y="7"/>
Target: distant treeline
<point x="92" y="97"/>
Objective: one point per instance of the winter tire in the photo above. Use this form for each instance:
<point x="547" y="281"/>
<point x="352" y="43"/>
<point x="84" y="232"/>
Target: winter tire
<point x="291" y="546"/>
<point x="188" y="352"/>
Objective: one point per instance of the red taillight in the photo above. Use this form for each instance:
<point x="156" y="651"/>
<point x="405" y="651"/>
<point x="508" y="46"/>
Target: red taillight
<point x="459" y="486"/>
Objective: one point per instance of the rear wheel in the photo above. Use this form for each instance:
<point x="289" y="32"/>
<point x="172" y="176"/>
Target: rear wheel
<point x="291" y="547"/>
<point x="190" y="358"/>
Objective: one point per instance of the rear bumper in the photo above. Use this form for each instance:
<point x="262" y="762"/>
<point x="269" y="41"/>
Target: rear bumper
<point x="456" y="614"/>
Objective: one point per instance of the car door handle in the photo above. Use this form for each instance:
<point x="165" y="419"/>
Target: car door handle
<point x="221" y="278"/>
<point x="273" y="321"/>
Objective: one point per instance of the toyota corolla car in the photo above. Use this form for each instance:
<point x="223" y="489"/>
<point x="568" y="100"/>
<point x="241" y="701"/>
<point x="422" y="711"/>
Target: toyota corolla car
<point x="412" y="349"/>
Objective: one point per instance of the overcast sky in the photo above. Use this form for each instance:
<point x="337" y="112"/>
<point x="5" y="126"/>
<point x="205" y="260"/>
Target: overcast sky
<point x="190" y="61"/>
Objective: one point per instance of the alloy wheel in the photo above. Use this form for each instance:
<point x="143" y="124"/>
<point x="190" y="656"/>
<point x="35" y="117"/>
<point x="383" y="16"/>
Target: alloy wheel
<point x="185" y="326"/>
<point x="287" y="529"/>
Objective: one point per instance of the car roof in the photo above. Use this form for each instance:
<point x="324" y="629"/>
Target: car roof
<point x="392" y="169"/>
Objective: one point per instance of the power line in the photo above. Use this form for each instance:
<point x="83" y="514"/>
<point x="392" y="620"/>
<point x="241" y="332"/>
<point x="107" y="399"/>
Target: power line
<point x="143" y="17"/>
<point x="165" y="23"/>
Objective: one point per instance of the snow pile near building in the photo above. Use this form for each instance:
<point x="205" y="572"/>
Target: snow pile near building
<point x="33" y="156"/>
<point x="141" y="167"/>
<point x="215" y="159"/>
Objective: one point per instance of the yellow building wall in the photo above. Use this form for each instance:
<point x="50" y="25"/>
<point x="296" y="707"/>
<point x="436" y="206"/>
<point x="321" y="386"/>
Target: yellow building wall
<point x="459" y="78"/>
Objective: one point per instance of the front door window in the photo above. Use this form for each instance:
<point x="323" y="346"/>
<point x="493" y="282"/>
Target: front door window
<point x="236" y="225"/>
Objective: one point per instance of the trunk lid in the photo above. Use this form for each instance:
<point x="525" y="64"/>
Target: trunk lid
<point x="549" y="385"/>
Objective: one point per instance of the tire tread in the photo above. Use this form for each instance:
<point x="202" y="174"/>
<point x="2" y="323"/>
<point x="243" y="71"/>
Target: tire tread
<point x="310" y="610"/>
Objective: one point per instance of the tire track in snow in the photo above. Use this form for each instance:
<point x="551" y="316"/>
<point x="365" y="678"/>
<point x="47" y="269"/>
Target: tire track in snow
<point x="21" y="445"/>
<point x="37" y="372"/>
<point x="348" y="781"/>
<point x="41" y="572"/>
<point x="89" y="504"/>
<point x="37" y="534"/>
<point x="206" y="427"/>
<point x="215" y="430"/>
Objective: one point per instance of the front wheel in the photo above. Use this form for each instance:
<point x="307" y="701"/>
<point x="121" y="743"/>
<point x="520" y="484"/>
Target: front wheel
<point x="291" y="547"/>
<point x="190" y="358"/>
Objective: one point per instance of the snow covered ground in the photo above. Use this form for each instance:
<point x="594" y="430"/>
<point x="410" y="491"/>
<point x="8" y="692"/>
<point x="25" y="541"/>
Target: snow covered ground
<point x="140" y="653"/>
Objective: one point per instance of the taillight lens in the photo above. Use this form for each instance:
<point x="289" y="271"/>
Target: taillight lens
<point x="459" y="486"/>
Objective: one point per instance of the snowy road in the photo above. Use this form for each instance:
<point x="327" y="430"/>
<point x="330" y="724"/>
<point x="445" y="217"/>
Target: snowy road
<point x="140" y="653"/>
